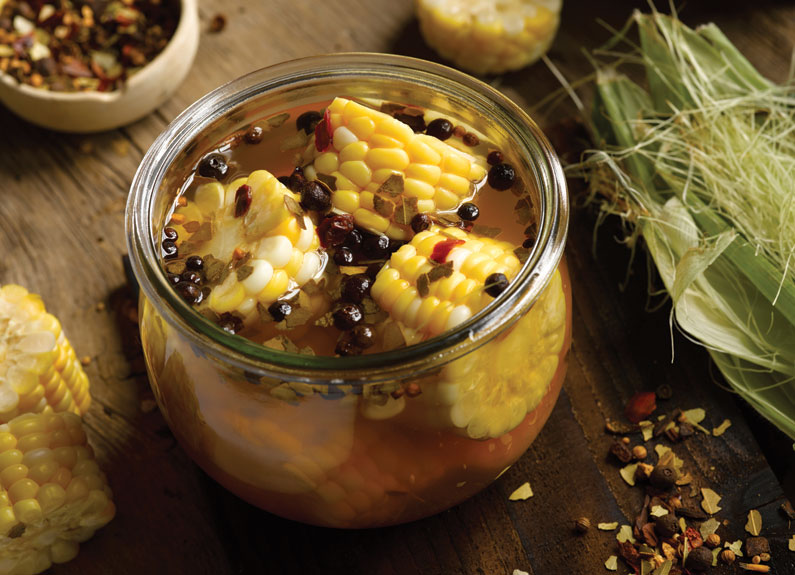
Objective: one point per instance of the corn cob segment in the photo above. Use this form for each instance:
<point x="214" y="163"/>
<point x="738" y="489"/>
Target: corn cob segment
<point x="488" y="36"/>
<point x="52" y="494"/>
<point x="39" y="370"/>
<point x="258" y="218"/>
<point x="489" y="391"/>
<point x="368" y="148"/>
<point x="414" y="289"/>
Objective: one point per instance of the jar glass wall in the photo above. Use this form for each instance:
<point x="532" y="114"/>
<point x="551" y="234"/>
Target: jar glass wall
<point x="374" y="439"/>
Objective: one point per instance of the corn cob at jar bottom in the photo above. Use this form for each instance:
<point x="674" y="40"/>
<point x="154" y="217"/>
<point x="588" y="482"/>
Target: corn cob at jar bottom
<point x="258" y="216"/>
<point x="39" y="370"/>
<point x="53" y="495"/>
<point x="488" y="37"/>
<point x="438" y="281"/>
<point x="385" y="173"/>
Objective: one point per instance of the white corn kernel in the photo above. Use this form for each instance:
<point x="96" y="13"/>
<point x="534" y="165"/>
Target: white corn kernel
<point x="277" y="250"/>
<point x="342" y="137"/>
<point x="260" y="276"/>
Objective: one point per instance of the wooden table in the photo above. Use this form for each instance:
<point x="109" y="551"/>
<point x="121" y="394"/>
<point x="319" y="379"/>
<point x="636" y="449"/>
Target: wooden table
<point x="62" y="235"/>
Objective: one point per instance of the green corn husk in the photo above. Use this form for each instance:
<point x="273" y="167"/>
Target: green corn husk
<point x="702" y="165"/>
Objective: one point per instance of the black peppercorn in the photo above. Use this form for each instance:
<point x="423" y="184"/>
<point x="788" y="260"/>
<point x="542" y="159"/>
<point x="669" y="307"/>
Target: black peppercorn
<point x="189" y="292"/>
<point x="343" y="256"/>
<point x="253" y="135"/>
<point x="297" y="179"/>
<point x="699" y="559"/>
<point x="170" y="234"/>
<point x="414" y="121"/>
<point x="308" y="121"/>
<point x="468" y="212"/>
<point x="195" y="263"/>
<point x="346" y="347"/>
<point x="420" y="223"/>
<point x="363" y="336"/>
<point x="213" y="166"/>
<point x="496" y="284"/>
<point x="280" y="310"/>
<point x="663" y="476"/>
<point x="376" y="247"/>
<point x="355" y="287"/>
<point x="174" y="278"/>
<point x="230" y="323"/>
<point x="501" y="177"/>
<point x="354" y="240"/>
<point x="346" y="316"/>
<point x="191" y="276"/>
<point x="440" y="128"/>
<point x="666" y="526"/>
<point x="471" y="139"/>
<point x="315" y="196"/>
<point x="170" y="250"/>
<point x="494" y="158"/>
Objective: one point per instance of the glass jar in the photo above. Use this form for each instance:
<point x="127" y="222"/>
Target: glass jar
<point x="374" y="439"/>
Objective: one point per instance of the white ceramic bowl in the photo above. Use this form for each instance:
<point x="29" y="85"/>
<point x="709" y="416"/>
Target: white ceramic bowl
<point x="84" y="112"/>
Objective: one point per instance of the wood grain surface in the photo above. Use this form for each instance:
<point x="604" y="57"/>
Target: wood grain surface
<point x="61" y="234"/>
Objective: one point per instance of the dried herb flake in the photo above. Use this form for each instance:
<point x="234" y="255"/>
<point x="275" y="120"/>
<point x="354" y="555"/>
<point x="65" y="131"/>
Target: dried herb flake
<point x="392" y="186"/>
<point x="754" y="523"/>
<point x="710" y="501"/>
<point x="524" y="491"/>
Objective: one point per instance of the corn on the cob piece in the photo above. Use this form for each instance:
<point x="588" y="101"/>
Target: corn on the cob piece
<point x="368" y="147"/>
<point x="39" y="370"/>
<point x="52" y="494"/>
<point x="281" y="241"/>
<point x="488" y="36"/>
<point x="449" y="300"/>
<point x="489" y="391"/>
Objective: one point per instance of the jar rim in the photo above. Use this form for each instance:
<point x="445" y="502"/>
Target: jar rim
<point x="399" y="363"/>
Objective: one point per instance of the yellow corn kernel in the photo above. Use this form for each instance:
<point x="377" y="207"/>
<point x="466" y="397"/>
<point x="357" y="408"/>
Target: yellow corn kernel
<point x="444" y="288"/>
<point x="445" y="199"/>
<point x="28" y="511"/>
<point x="51" y="496"/>
<point x="398" y="232"/>
<point x="425" y="206"/>
<point x="42" y="472"/>
<point x="357" y="172"/>
<point x="420" y="152"/>
<point x="7" y="441"/>
<point x="392" y="158"/>
<point x="344" y="183"/>
<point x="85" y="467"/>
<point x="209" y="197"/>
<point x="12" y="474"/>
<point x="326" y="163"/>
<point x="382" y="175"/>
<point x="62" y="477"/>
<point x="64" y="551"/>
<point x="77" y="490"/>
<point x="386" y="276"/>
<point x="7" y="520"/>
<point x="439" y="317"/>
<point x="354" y="152"/>
<point x="366" y="200"/>
<point x="425" y="245"/>
<point x="337" y="106"/>
<point x="427" y="307"/>
<point x="275" y="288"/>
<point x="456" y="164"/>
<point x="474" y="262"/>
<point x="227" y="296"/>
<point x="393" y="291"/>
<point x="418" y="189"/>
<point x="371" y="220"/>
<point x="485" y="270"/>
<point x="10" y="457"/>
<point x="476" y="173"/>
<point x="415" y="267"/>
<point x="394" y="129"/>
<point x="33" y="441"/>
<point x="295" y="262"/>
<point x="345" y="200"/>
<point x="382" y="141"/>
<point x="362" y="126"/>
<point x="402" y="255"/>
<point x="456" y="184"/>
<point x="289" y="228"/>
<point x="24" y="488"/>
<point x="402" y="303"/>
<point x="424" y="172"/>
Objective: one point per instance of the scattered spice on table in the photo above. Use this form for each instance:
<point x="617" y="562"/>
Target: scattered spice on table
<point x="82" y="45"/>
<point x="217" y="23"/>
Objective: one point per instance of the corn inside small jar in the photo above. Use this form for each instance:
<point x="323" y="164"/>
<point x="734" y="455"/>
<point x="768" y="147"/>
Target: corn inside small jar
<point x="354" y="307"/>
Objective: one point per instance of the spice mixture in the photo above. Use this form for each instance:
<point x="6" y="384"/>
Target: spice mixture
<point x="82" y="45"/>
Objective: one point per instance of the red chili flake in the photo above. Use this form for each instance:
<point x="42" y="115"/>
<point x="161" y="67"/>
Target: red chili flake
<point x="443" y="249"/>
<point x="242" y="200"/>
<point x="323" y="133"/>
<point x="693" y="538"/>
<point x="641" y="406"/>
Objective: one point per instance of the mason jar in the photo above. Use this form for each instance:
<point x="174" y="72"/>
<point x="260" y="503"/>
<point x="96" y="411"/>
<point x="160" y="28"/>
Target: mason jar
<point x="373" y="439"/>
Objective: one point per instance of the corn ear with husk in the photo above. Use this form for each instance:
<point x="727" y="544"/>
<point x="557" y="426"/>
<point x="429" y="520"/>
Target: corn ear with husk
<point x="701" y="164"/>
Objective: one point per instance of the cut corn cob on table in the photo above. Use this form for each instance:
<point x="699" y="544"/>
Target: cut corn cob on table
<point x="385" y="173"/>
<point x="258" y="216"/>
<point x="489" y="36"/>
<point x="429" y="290"/>
<point x="39" y="370"/>
<point x="53" y="495"/>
